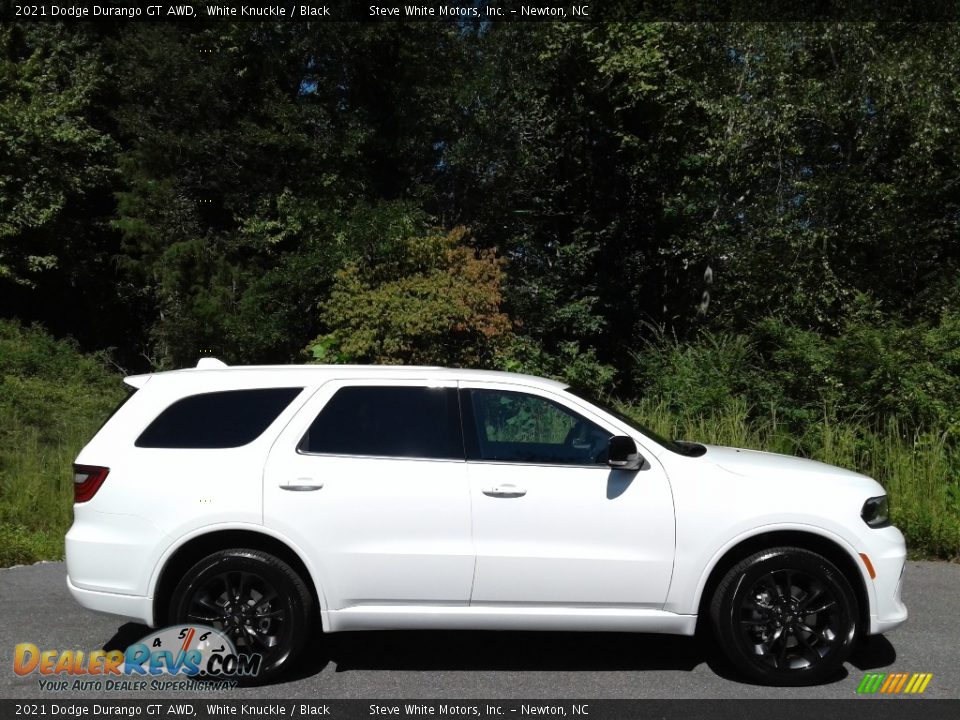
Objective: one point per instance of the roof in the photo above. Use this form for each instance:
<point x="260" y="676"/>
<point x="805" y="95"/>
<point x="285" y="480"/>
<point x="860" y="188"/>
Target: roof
<point x="210" y="368"/>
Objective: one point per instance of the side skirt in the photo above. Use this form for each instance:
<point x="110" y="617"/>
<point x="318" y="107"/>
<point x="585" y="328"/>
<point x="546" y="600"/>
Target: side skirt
<point x="403" y="617"/>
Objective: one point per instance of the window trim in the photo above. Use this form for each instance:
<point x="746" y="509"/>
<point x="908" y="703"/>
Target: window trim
<point x="345" y="456"/>
<point x="520" y="463"/>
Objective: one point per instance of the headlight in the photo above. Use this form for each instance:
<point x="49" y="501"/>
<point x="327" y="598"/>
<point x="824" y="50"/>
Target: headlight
<point x="876" y="512"/>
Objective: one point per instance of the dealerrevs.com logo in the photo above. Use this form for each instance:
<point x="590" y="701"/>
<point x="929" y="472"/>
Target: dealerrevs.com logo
<point x="894" y="683"/>
<point x="172" y="658"/>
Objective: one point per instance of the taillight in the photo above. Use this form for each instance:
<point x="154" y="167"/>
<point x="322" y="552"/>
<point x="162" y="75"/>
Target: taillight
<point x="87" y="479"/>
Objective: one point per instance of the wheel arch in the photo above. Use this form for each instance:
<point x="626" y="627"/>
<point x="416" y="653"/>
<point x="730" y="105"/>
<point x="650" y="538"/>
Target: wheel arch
<point x="829" y="548"/>
<point x="192" y="549"/>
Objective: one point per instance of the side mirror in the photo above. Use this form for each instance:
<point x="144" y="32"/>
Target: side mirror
<point x="622" y="453"/>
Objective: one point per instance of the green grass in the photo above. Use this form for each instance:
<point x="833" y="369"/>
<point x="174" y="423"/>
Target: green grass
<point x="52" y="400"/>
<point x="920" y="470"/>
<point x="36" y="495"/>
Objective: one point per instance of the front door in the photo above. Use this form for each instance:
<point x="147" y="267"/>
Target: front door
<point x="552" y="523"/>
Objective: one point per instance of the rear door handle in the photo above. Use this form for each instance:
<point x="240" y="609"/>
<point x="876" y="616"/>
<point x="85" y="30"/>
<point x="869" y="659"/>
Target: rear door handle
<point x="303" y="485"/>
<point x="504" y="491"/>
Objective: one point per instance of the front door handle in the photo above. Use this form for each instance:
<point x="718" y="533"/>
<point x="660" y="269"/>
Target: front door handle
<point x="504" y="491"/>
<point x="303" y="485"/>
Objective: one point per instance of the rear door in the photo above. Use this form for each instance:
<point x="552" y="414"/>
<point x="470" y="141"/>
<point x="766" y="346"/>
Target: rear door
<point x="370" y="480"/>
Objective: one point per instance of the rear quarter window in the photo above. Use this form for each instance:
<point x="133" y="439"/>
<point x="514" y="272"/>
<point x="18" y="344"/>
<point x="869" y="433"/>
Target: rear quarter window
<point x="227" y="419"/>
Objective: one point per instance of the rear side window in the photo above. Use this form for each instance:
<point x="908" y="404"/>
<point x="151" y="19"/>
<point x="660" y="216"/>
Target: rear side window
<point x="410" y="422"/>
<point x="217" y="420"/>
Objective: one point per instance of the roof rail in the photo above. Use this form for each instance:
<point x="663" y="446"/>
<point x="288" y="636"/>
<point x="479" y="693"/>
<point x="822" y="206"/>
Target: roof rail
<point x="210" y="363"/>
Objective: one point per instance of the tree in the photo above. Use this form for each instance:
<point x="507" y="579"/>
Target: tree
<point x="430" y="299"/>
<point x="58" y="172"/>
<point x="809" y="163"/>
<point x="52" y="156"/>
<point x="243" y="178"/>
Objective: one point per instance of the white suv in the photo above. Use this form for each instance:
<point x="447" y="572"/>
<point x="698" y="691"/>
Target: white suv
<point x="258" y="500"/>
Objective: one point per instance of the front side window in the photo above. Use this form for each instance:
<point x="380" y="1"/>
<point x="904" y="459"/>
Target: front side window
<point x="218" y="419"/>
<point x="516" y="427"/>
<point x="388" y="421"/>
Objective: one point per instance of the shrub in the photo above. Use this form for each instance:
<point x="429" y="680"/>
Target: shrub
<point x="705" y="376"/>
<point x="570" y="363"/>
<point x="52" y="399"/>
<point x="429" y="300"/>
<point x="873" y="369"/>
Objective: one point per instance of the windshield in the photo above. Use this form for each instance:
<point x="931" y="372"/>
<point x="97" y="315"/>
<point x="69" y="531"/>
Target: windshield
<point x="607" y="408"/>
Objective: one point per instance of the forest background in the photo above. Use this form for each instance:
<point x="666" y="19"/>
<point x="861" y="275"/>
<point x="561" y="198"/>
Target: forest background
<point x="744" y="234"/>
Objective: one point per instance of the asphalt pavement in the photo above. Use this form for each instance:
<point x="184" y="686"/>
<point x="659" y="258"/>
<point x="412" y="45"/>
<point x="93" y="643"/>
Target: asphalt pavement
<point x="37" y="608"/>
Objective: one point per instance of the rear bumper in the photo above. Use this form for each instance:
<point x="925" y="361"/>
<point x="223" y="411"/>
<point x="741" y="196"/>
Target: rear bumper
<point x="134" y="607"/>
<point x="110" y="558"/>
<point x="112" y="553"/>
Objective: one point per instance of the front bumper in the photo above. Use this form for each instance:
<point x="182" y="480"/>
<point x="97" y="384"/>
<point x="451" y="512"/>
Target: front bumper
<point x="888" y="554"/>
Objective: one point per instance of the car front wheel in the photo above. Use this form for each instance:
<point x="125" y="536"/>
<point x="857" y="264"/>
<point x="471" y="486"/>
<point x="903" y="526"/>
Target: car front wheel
<point x="254" y="598"/>
<point x="786" y="616"/>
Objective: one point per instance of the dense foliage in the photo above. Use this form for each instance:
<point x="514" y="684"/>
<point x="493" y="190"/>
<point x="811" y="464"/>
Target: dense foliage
<point x="424" y="300"/>
<point x="715" y="217"/>
<point x="52" y="397"/>
<point x="167" y="190"/>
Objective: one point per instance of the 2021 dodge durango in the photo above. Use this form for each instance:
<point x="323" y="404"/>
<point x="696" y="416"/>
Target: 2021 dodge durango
<point x="263" y="500"/>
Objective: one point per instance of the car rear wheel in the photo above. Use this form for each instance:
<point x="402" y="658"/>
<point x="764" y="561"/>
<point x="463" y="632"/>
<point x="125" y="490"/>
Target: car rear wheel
<point x="254" y="598"/>
<point x="786" y="616"/>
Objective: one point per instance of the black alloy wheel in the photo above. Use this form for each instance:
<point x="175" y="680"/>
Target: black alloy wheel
<point x="786" y="616"/>
<point x="254" y="598"/>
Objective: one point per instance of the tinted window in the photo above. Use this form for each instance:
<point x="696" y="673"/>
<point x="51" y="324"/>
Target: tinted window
<point x="516" y="427"/>
<point x="388" y="421"/>
<point x="217" y="420"/>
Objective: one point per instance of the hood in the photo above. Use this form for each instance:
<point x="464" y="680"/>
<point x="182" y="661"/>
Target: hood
<point x="772" y="465"/>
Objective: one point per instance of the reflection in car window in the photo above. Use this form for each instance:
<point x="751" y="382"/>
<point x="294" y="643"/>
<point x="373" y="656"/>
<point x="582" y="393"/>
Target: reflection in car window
<point x="517" y="427"/>
<point x="400" y="421"/>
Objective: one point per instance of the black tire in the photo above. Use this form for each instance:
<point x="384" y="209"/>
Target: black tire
<point x="254" y="598"/>
<point x="761" y="614"/>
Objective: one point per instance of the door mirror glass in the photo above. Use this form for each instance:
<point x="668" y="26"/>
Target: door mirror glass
<point x="622" y="453"/>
